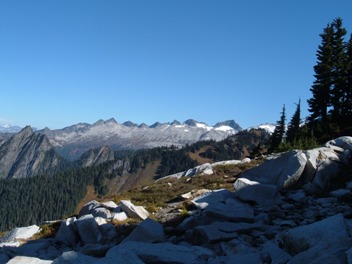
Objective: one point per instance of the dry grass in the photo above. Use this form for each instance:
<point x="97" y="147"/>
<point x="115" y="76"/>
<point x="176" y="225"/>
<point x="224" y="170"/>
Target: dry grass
<point x="90" y="195"/>
<point x="158" y="194"/>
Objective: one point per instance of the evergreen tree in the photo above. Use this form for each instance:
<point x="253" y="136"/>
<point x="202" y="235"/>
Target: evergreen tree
<point x="347" y="102"/>
<point x="293" y="126"/>
<point x="322" y="86"/>
<point x="339" y="75"/>
<point x="279" y="132"/>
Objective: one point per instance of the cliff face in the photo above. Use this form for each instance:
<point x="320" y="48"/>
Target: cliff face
<point x="94" y="157"/>
<point x="27" y="154"/>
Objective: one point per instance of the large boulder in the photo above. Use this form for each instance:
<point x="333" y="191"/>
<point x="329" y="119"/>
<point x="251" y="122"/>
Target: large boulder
<point x="330" y="230"/>
<point x="163" y="252"/>
<point x="67" y="232"/>
<point x="72" y="257"/>
<point x="88" y="229"/>
<point x="342" y="142"/>
<point x="11" y="237"/>
<point x="230" y="210"/>
<point x="147" y="231"/>
<point x="88" y="207"/>
<point x="284" y="171"/>
<point x="262" y="194"/>
<point x="322" y="167"/>
<point x="133" y="211"/>
<point x="28" y="260"/>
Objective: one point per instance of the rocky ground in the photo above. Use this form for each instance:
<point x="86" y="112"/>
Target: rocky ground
<point x="293" y="208"/>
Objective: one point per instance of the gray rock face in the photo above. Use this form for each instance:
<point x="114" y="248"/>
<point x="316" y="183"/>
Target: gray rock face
<point x="263" y="194"/>
<point x="284" y="171"/>
<point x="67" y="232"/>
<point x="27" y="154"/>
<point x="88" y="229"/>
<point x="148" y="231"/>
<point x="94" y="157"/>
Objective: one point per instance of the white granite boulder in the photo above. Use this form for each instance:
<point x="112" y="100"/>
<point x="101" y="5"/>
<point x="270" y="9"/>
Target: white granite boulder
<point x="284" y="171"/>
<point x="11" y="238"/>
<point x="28" y="260"/>
<point x="133" y="211"/>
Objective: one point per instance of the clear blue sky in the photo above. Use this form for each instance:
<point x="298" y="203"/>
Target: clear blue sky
<point x="69" y="61"/>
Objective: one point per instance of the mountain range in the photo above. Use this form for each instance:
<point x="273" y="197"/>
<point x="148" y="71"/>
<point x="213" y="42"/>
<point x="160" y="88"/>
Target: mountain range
<point x="71" y="142"/>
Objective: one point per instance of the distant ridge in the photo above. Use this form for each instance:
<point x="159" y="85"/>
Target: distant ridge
<point x="74" y="140"/>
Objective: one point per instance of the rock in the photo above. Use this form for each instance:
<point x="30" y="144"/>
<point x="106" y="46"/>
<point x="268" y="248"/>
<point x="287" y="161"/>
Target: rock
<point x="108" y="232"/>
<point x="299" y="239"/>
<point x="125" y="257"/>
<point x="4" y="258"/>
<point x="186" y="196"/>
<point x="88" y="229"/>
<point x="133" y="211"/>
<point x="14" y="235"/>
<point x="277" y="255"/>
<point x="230" y="210"/>
<point x="284" y="171"/>
<point x="297" y="196"/>
<point x="341" y="193"/>
<point x="95" y="250"/>
<point x="342" y="142"/>
<point x="29" y="249"/>
<point x="205" y="168"/>
<point x="67" y="233"/>
<point x="249" y="258"/>
<point x="209" y="234"/>
<point x="120" y="216"/>
<point x="28" y="260"/>
<point x="101" y="212"/>
<point x="109" y="205"/>
<point x="164" y="252"/>
<point x="88" y="207"/>
<point x="324" y="252"/>
<point x="72" y="257"/>
<point x="262" y="194"/>
<point x="148" y="231"/>
<point x="241" y="183"/>
<point x="212" y="197"/>
<point x="322" y="167"/>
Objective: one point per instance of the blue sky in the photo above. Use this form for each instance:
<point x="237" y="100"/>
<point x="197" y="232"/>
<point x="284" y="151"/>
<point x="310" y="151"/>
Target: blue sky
<point x="69" y="61"/>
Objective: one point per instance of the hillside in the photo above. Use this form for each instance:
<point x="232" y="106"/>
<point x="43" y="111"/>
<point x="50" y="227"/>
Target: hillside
<point x="236" y="214"/>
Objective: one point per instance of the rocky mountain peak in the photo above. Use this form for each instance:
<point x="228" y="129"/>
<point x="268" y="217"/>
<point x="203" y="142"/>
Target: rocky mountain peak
<point x="26" y="154"/>
<point x="130" y="124"/>
<point x="230" y="123"/>
<point x="191" y="122"/>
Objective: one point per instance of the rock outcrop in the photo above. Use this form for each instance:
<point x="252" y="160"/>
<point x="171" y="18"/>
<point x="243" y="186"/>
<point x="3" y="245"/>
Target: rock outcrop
<point x="27" y="154"/>
<point x="97" y="156"/>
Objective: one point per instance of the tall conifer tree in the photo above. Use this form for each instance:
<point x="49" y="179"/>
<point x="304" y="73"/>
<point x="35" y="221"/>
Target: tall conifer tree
<point x="293" y="126"/>
<point x="347" y="103"/>
<point x="339" y="74"/>
<point x="321" y="88"/>
<point x="279" y="132"/>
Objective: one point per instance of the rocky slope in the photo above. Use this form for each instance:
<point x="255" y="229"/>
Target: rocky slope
<point x="261" y="221"/>
<point x="72" y="141"/>
<point x="94" y="157"/>
<point x="27" y="154"/>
